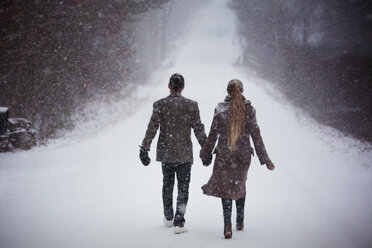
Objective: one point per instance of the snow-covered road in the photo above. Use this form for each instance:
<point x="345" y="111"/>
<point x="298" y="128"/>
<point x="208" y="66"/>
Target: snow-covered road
<point x="94" y="192"/>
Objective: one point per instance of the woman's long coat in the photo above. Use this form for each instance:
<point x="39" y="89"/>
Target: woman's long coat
<point x="230" y="169"/>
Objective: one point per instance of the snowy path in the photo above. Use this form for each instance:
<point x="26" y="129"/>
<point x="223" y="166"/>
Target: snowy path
<point x="95" y="193"/>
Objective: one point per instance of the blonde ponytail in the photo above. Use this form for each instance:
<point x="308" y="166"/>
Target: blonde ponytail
<point x="236" y="118"/>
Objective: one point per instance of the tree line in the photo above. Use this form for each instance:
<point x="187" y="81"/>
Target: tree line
<point x="319" y="53"/>
<point x="56" y="56"/>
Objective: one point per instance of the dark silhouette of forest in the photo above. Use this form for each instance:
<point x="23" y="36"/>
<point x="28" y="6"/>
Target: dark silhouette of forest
<point x="57" y="56"/>
<point x="319" y="53"/>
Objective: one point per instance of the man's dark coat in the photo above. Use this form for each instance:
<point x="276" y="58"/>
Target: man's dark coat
<point x="175" y="115"/>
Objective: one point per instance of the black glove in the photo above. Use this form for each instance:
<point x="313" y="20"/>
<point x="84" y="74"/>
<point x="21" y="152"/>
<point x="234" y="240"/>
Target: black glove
<point x="144" y="156"/>
<point x="207" y="161"/>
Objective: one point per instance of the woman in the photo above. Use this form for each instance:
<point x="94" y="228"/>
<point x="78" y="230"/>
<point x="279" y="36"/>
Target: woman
<point x="234" y="121"/>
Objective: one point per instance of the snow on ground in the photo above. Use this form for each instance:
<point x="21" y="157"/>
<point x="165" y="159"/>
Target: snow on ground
<point x="94" y="192"/>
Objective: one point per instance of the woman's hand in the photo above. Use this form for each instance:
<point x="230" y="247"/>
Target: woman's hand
<point x="270" y="165"/>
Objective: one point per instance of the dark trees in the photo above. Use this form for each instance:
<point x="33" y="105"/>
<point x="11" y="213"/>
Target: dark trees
<point x="58" y="55"/>
<point x="318" y="52"/>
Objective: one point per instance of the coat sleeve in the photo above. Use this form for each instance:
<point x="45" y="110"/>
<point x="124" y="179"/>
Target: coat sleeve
<point x="198" y="127"/>
<point x="207" y="149"/>
<point x="255" y="133"/>
<point x="152" y="127"/>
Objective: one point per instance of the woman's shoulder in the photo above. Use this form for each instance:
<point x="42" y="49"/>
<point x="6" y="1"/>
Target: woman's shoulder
<point x="249" y="107"/>
<point x="248" y="104"/>
<point x="221" y="108"/>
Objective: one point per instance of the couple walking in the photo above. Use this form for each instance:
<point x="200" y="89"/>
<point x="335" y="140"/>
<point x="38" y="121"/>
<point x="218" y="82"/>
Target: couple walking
<point x="233" y="123"/>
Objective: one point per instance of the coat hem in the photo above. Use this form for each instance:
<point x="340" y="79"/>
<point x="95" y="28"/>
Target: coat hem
<point x="221" y="195"/>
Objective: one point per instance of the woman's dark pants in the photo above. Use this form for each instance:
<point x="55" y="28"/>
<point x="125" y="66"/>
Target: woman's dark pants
<point x="227" y="210"/>
<point x="183" y="172"/>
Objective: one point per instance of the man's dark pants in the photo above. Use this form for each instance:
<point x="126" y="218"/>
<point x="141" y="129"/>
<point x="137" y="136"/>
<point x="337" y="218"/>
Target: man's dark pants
<point x="183" y="173"/>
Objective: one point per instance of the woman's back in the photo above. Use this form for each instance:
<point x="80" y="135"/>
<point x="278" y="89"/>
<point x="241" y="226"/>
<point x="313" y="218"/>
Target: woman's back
<point x="233" y="123"/>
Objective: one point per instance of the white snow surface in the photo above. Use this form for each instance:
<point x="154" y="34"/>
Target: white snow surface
<point x="94" y="192"/>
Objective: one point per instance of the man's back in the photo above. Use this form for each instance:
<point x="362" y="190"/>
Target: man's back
<point x="175" y="115"/>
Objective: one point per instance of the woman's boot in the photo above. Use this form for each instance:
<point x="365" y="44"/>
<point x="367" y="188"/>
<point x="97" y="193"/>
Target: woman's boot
<point x="240" y="214"/>
<point x="227" y="205"/>
<point x="227" y="231"/>
<point x="239" y="223"/>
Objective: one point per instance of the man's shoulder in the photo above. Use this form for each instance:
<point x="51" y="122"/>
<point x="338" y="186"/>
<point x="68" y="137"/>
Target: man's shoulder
<point x="169" y="99"/>
<point x="188" y="100"/>
<point x="161" y="101"/>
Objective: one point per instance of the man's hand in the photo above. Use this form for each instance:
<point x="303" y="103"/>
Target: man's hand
<point x="144" y="156"/>
<point x="270" y="165"/>
<point x="207" y="161"/>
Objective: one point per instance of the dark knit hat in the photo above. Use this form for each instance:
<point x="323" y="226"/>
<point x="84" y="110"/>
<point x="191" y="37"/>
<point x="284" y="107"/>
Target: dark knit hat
<point x="176" y="82"/>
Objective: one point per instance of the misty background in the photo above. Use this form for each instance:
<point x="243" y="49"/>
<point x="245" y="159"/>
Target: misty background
<point x="61" y="61"/>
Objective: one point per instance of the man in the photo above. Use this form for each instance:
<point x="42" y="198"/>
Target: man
<point x="175" y="115"/>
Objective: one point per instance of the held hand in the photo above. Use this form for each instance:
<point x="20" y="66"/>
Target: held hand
<point x="144" y="156"/>
<point x="270" y="165"/>
<point x="207" y="161"/>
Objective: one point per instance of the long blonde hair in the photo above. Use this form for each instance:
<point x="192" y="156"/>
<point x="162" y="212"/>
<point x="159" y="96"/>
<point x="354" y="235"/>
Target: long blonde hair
<point x="237" y="113"/>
